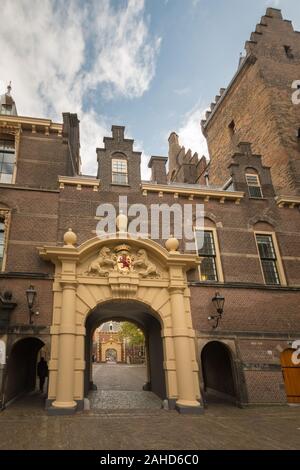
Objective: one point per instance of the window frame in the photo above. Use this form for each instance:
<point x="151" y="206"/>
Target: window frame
<point x="217" y="257"/>
<point x="15" y="138"/>
<point x="258" y="185"/>
<point x="278" y="260"/>
<point x="123" y="160"/>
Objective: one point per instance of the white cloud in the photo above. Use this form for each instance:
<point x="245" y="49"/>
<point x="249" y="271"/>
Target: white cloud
<point x="273" y="3"/>
<point x="127" y="66"/>
<point x="190" y="134"/>
<point x="56" y="51"/>
<point x="182" y="91"/>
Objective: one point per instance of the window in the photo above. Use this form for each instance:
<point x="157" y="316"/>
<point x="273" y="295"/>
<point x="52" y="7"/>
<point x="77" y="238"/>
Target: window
<point x="268" y="258"/>
<point x="288" y="52"/>
<point x="2" y="241"/>
<point x="208" y="268"/>
<point x="254" y="187"/>
<point x="119" y="172"/>
<point x="231" y="127"/>
<point x="7" y="160"/>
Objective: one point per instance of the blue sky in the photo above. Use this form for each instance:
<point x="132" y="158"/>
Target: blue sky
<point x="153" y="65"/>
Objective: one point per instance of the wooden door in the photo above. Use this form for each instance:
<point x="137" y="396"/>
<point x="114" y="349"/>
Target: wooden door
<point x="291" y="374"/>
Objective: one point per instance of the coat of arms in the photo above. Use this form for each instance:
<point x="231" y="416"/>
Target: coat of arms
<point x="124" y="259"/>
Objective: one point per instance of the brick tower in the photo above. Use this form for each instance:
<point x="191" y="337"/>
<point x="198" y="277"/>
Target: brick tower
<point x="257" y="106"/>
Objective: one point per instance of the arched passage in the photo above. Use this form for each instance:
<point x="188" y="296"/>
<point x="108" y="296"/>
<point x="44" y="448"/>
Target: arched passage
<point x="21" y="367"/>
<point x="145" y="319"/>
<point x="111" y="354"/>
<point x="217" y="372"/>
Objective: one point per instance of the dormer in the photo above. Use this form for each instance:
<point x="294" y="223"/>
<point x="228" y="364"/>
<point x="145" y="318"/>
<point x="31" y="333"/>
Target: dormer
<point x="249" y="175"/>
<point x="118" y="164"/>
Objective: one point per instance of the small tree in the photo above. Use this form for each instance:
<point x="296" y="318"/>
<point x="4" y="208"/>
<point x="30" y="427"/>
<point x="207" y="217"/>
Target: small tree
<point x="132" y="334"/>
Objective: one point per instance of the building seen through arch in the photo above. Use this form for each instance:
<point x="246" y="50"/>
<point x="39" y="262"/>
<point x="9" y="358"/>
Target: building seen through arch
<point x="114" y="340"/>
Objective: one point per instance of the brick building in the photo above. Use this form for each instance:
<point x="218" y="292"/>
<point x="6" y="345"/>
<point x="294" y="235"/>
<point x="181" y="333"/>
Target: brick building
<point x="111" y="345"/>
<point x="108" y="343"/>
<point x="250" y="257"/>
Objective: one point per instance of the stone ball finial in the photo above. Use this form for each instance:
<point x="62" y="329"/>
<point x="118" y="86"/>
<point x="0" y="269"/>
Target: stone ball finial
<point x="172" y="244"/>
<point x="70" y="238"/>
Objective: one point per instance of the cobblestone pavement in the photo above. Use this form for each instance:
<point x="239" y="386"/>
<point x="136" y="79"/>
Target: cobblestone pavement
<point x="120" y="387"/>
<point x="114" y="399"/>
<point x="119" y="376"/>
<point x="25" y="425"/>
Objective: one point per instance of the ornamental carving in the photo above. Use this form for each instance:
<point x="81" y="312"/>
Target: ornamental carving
<point x="121" y="260"/>
<point x="103" y="264"/>
<point x="144" y="267"/>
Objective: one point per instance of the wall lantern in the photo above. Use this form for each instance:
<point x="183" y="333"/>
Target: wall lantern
<point x="218" y="301"/>
<point x="31" y="296"/>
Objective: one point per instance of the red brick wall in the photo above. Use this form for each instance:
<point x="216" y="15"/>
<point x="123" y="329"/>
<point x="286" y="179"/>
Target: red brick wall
<point x="41" y="159"/>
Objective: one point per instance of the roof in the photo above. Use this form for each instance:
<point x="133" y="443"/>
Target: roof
<point x="105" y="327"/>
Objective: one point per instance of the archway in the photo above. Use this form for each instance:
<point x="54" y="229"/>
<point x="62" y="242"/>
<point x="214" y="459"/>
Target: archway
<point x="21" y="368"/>
<point x="146" y="319"/>
<point x="95" y="275"/>
<point x="217" y="372"/>
<point x="111" y="355"/>
<point x="291" y="375"/>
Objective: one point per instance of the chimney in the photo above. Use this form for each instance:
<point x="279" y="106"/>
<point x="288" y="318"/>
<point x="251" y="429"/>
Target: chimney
<point x="174" y="149"/>
<point x="158" y="169"/>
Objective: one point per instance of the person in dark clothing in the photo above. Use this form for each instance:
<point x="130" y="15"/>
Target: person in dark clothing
<point x="42" y="372"/>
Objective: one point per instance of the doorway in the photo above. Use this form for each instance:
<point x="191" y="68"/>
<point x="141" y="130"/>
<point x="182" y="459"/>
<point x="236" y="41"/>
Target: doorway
<point x="21" y="368"/>
<point x="217" y="372"/>
<point x="111" y="355"/>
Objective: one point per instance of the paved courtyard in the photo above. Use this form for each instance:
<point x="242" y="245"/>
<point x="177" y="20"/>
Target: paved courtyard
<point x="120" y="386"/>
<point x="112" y="376"/>
<point x="25" y="424"/>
